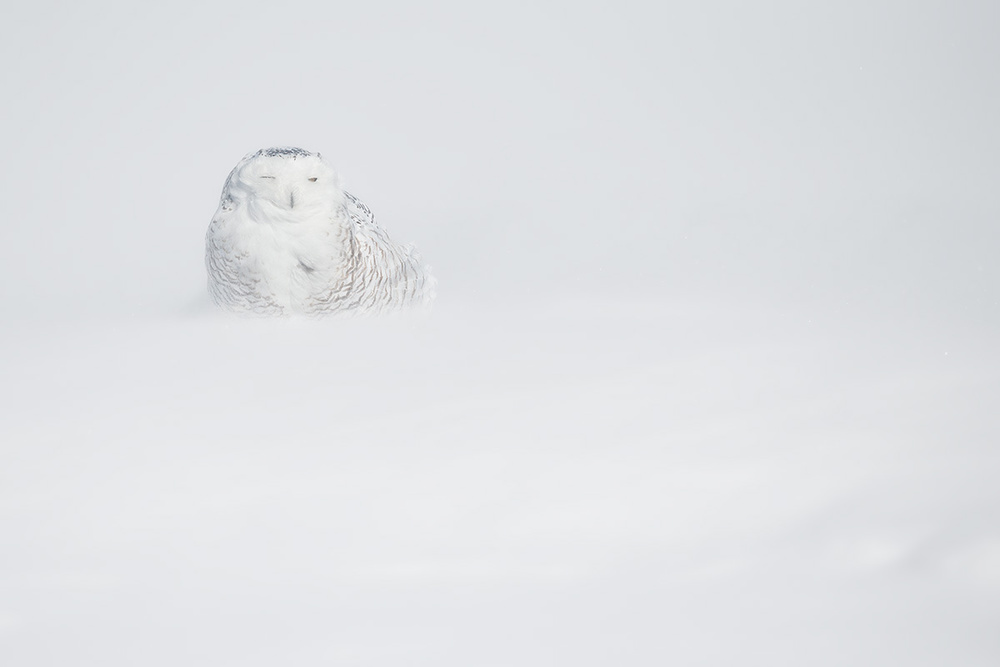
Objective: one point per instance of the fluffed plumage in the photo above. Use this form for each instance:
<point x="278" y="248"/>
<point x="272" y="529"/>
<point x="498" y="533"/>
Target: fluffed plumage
<point x="287" y="239"/>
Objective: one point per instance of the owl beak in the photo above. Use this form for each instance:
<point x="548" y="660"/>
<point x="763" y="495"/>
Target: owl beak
<point x="291" y="201"/>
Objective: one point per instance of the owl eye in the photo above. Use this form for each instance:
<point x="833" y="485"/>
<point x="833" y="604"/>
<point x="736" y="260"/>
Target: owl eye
<point x="313" y="179"/>
<point x="267" y="176"/>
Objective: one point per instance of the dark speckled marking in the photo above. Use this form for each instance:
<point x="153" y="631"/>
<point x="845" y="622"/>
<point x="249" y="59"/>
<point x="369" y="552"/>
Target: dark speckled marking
<point x="284" y="151"/>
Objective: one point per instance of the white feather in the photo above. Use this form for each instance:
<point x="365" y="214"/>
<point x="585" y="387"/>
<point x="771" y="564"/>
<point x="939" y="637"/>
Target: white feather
<point x="287" y="239"/>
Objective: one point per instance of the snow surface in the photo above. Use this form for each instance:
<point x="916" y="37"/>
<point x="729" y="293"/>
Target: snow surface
<point x="575" y="483"/>
<point x="711" y="379"/>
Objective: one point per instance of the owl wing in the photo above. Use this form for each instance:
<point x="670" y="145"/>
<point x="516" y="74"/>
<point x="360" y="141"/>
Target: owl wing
<point x="361" y="216"/>
<point x="386" y="275"/>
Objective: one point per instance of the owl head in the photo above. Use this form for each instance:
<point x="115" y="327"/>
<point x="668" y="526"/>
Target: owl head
<point x="283" y="184"/>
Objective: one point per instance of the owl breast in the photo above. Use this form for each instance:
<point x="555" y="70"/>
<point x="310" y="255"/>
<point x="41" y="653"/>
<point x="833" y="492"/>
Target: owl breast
<point x="273" y="269"/>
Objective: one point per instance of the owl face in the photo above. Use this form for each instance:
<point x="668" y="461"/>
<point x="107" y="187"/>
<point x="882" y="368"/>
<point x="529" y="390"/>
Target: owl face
<point x="285" y="184"/>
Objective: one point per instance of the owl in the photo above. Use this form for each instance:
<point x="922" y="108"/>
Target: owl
<point x="287" y="239"/>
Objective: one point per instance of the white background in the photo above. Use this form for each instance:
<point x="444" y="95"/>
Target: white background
<point x="711" y="379"/>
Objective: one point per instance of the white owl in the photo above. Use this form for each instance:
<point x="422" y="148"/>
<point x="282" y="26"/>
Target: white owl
<point x="287" y="239"/>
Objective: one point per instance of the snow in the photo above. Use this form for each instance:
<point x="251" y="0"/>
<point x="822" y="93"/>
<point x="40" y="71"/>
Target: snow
<point x="569" y="483"/>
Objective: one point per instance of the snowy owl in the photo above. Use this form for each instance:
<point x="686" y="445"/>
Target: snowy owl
<point x="287" y="239"/>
